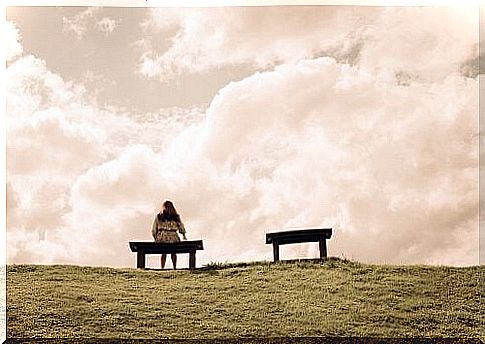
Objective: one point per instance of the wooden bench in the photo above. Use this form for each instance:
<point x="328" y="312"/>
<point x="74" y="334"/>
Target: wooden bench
<point x="298" y="236"/>
<point x="149" y="247"/>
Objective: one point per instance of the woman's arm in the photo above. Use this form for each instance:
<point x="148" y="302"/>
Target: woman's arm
<point x="182" y="230"/>
<point x="154" y="228"/>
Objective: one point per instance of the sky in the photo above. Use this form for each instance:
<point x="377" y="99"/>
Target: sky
<point x="251" y="120"/>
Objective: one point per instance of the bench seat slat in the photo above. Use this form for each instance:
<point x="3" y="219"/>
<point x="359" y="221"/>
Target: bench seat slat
<point x="168" y="250"/>
<point x="151" y="247"/>
<point x="299" y="236"/>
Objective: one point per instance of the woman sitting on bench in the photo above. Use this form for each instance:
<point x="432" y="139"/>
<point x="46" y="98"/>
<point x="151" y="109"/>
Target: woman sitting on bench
<point x="165" y="227"/>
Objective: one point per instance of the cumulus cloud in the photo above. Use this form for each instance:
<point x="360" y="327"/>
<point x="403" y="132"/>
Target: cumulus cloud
<point x="396" y="173"/>
<point x="107" y="25"/>
<point x="32" y="87"/>
<point x="384" y="153"/>
<point x="85" y="20"/>
<point x="377" y="161"/>
<point x="12" y="36"/>
<point x="386" y="39"/>
<point x="54" y="137"/>
<point x="436" y="47"/>
<point x="79" y="148"/>
<point x="263" y="36"/>
<point x="78" y="24"/>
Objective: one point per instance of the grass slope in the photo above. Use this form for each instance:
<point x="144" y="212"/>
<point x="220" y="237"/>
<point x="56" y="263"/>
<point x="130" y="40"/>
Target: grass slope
<point x="336" y="298"/>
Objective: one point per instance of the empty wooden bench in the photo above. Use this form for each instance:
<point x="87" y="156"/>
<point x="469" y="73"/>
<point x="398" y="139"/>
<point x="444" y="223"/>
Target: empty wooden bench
<point x="149" y="247"/>
<point x="319" y="235"/>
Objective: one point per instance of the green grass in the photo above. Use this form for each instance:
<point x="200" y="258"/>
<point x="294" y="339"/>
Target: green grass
<point x="336" y="298"/>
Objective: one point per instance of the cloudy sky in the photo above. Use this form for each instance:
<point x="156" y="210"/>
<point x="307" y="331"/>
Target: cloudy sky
<point x="252" y="120"/>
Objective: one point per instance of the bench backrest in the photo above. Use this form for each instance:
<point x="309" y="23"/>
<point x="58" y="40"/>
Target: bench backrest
<point x="159" y="247"/>
<point x="299" y="236"/>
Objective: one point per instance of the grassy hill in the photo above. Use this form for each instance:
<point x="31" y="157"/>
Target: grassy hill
<point x="336" y="298"/>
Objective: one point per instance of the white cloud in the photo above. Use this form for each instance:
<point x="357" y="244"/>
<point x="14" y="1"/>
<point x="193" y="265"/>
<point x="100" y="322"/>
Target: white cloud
<point x="31" y="87"/>
<point x="208" y="38"/>
<point x="11" y="41"/>
<point x="378" y="37"/>
<point x="107" y="25"/>
<point x="72" y="146"/>
<point x="85" y="20"/>
<point x="444" y="39"/>
<point x="374" y="160"/>
<point x="79" y="23"/>
<point x="54" y="137"/>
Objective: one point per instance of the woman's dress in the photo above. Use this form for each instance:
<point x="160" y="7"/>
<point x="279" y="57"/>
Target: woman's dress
<point x="166" y="230"/>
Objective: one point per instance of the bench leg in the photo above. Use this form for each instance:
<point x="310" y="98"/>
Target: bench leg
<point x="192" y="260"/>
<point x="140" y="260"/>
<point x="276" y="251"/>
<point x="322" y="243"/>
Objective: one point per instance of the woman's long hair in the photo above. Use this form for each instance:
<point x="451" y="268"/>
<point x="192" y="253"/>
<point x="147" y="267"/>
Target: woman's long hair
<point x="168" y="213"/>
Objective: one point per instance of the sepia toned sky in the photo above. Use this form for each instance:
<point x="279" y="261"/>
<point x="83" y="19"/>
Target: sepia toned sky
<point x="252" y="120"/>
